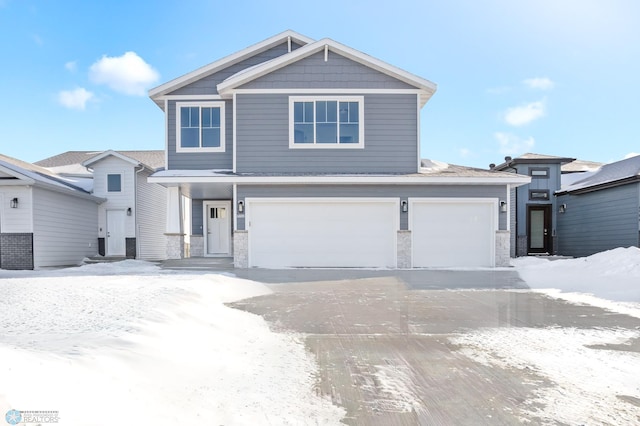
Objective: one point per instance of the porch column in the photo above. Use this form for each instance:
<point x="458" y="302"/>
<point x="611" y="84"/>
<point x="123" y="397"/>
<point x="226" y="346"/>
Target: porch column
<point x="174" y="232"/>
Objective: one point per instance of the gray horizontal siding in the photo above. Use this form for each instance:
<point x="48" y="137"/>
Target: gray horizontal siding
<point x="390" y="138"/>
<point x="208" y="85"/>
<point x="392" y="191"/>
<point x="200" y="160"/>
<point x="336" y="72"/>
<point x="598" y="221"/>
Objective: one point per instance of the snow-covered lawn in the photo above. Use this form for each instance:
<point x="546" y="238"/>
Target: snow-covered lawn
<point x="129" y="343"/>
<point x="595" y="375"/>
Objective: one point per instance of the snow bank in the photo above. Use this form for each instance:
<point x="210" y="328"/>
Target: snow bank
<point x="129" y="343"/>
<point x="610" y="279"/>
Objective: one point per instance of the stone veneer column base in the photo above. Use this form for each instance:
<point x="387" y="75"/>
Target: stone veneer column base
<point x="241" y="249"/>
<point x="404" y="250"/>
<point x="521" y="249"/>
<point x="503" y="242"/>
<point x="175" y="246"/>
<point x="197" y="246"/>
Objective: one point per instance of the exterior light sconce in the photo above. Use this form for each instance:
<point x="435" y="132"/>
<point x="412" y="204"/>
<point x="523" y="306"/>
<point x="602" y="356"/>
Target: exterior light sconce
<point x="240" y="206"/>
<point x="503" y="206"/>
<point x="562" y="208"/>
<point x="129" y="211"/>
<point x="404" y="205"/>
<point x="14" y="203"/>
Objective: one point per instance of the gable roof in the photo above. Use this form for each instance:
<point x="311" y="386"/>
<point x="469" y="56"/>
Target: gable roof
<point x="31" y="174"/>
<point x="152" y="159"/>
<point x="227" y="61"/>
<point x="610" y="175"/>
<point x="426" y="87"/>
<point x="532" y="158"/>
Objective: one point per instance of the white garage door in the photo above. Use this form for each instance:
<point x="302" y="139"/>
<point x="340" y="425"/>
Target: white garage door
<point x="330" y="232"/>
<point x="453" y="232"/>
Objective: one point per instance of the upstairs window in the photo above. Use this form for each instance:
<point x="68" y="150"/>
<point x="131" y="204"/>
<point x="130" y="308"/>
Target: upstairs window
<point x="539" y="172"/>
<point x="200" y="127"/>
<point x="326" y="122"/>
<point x="114" y="183"/>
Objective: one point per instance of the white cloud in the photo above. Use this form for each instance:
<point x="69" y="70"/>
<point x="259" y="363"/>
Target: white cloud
<point x="128" y="74"/>
<point x="75" y="99"/>
<point x="631" y="154"/>
<point x="464" y="152"/>
<point x="541" y="83"/>
<point x="524" y="114"/>
<point x="71" y="66"/>
<point x="513" y="145"/>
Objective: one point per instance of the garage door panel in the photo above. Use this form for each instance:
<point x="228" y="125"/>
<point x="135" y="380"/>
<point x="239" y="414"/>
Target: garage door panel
<point x="327" y="233"/>
<point x="453" y="233"/>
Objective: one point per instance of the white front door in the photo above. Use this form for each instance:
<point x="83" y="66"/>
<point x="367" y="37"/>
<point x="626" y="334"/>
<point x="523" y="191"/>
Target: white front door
<point x="115" y="233"/>
<point x="217" y="219"/>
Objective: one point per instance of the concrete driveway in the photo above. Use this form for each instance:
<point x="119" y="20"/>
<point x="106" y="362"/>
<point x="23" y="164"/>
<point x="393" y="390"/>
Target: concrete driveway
<point x="382" y="340"/>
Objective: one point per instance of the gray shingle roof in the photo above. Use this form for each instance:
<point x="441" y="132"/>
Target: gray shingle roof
<point x="609" y="174"/>
<point x="153" y="159"/>
<point x="37" y="173"/>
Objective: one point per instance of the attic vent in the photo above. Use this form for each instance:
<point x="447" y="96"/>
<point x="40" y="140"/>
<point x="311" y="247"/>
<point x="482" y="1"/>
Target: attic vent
<point x="507" y="158"/>
<point x="492" y="166"/>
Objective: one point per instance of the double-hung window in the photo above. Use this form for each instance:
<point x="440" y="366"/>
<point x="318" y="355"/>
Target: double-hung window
<point x="326" y="122"/>
<point x="200" y="127"/>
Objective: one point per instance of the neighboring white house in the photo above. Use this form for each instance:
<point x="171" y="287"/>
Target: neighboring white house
<point x="131" y="222"/>
<point x="45" y="220"/>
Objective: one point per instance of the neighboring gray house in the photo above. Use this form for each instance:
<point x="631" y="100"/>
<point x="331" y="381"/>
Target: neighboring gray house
<point x="45" y="220"/>
<point x="533" y="206"/>
<point x="131" y="221"/>
<point x="302" y="153"/>
<point x="601" y="211"/>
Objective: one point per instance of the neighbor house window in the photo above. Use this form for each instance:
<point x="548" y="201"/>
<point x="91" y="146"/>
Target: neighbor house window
<point x="200" y="127"/>
<point x="539" y="194"/>
<point x="326" y="122"/>
<point x="539" y="172"/>
<point x="114" y="183"/>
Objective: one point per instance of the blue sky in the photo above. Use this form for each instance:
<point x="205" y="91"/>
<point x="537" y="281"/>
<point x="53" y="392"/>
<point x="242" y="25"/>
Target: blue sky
<point x="557" y="77"/>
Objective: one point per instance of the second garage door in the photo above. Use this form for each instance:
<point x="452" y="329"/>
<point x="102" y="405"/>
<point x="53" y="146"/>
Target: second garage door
<point x="329" y="232"/>
<point x="453" y="232"/>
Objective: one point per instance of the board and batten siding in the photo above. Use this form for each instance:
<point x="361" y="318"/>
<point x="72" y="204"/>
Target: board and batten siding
<point x="16" y="220"/>
<point x="200" y="160"/>
<point x="208" y="85"/>
<point x="401" y="192"/>
<point x="390" y="138"/>
<point x="599" y="220"/>
<point x="151" y="214"/>
<point x="115" y="200"/>
<point x="337" y="72"/>
<point x="65" y="228"/>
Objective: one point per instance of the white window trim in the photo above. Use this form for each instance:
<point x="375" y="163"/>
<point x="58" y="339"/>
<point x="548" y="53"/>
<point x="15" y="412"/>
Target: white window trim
<point x="223" y="143"/>
<point x="314" y="145"/>
<point x="107" y="182"/>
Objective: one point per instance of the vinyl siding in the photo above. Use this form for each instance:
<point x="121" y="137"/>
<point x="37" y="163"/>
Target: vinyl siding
<point x="115" y="200"/>
<point x="390" y="138"/>
<point x="552" y="184"/>
<point x="65" y="229"/>
<point x="151" y="217"/>
<point x="200" y="160"/>
<point x="208" y="85"/>
<point x="600" y="220"/>
<point x="401" y="192"/>
<point x="337" y="72"/>
<point x="16" y="220"/>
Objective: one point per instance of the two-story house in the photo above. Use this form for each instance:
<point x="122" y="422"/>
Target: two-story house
<point x="302" y="153"/>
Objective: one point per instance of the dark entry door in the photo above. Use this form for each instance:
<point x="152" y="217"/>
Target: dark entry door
<point x="539" y="223"/>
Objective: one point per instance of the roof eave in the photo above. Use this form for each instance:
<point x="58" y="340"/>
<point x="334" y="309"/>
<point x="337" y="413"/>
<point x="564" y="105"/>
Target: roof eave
<point x="600" y="186"/>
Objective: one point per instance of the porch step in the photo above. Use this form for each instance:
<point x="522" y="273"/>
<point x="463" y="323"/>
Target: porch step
<point x="104" y="259"/>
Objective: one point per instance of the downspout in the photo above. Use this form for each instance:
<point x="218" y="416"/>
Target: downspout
<point x="135" y="206"/>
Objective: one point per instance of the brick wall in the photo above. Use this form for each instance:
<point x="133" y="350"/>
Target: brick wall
<point x="130" y="248"/>
<point x="16" y="251"/>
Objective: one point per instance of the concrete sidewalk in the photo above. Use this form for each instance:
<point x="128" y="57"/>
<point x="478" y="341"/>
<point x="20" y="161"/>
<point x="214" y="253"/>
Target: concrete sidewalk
<point x="362" y="328"/>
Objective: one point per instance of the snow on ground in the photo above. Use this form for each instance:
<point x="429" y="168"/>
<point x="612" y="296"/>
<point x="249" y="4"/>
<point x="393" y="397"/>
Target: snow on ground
<point x="129" y="343"/>
<point x="586" y="376"/>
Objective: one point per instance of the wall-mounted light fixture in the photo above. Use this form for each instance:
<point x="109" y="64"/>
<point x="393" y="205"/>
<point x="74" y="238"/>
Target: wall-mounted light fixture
<point x="14" y="203"/>
<point x="503" y="206"/>
<point x="129" y="211"/>
<point x="562" y="208"/>
<point x="404" y="205"/>
<point x="240" y="206"/>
